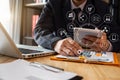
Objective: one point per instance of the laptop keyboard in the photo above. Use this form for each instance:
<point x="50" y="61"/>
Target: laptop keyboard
<point x="27" y="51"/>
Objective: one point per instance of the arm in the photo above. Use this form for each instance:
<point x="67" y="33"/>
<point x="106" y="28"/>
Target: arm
<point x="44" y="33"/>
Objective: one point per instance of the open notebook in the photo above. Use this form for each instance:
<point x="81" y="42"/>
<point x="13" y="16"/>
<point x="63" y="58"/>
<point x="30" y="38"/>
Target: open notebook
<point x="9" y="48"/>
<point x="106" y="58"/>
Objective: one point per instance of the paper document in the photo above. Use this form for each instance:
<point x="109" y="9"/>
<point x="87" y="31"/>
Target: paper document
<point x="92" y="56"/>
<point x="24" y="70"/>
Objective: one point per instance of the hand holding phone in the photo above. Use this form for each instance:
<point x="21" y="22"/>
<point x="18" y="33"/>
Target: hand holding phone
<point x="80" y="33"/>
<point x="92" y="38"/>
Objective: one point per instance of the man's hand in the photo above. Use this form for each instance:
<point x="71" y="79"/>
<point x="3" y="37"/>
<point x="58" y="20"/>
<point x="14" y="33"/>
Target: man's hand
<point x="95" y="43"/>
<point x="67" y="47"/>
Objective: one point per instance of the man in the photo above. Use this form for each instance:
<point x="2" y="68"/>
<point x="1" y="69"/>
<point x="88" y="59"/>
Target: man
<point x="52" y="27"/>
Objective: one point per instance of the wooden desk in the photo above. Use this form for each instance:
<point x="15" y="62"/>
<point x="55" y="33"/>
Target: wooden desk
<point x="88" y="71"/>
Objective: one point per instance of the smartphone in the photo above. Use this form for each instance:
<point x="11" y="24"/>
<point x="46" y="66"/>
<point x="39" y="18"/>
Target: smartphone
<point x="80" y="33"/>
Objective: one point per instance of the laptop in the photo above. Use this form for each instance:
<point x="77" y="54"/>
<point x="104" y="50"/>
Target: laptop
<point x="9" y="48"/>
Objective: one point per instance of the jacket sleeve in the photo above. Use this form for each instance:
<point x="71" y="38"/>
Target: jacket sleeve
<point x="44" y="32"/>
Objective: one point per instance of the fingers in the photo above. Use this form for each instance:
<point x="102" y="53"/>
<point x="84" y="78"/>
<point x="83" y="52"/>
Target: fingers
<point x="105" y="45"/>
<point x="67" y="47"/>
<point x="73" y="46"/>
<point x="97" y="44"/>
<point x="87" y="42"/>
<point x="101" y="44"/>
<point x="104" y="42"/>
<point x="90" y="38"/>
<point x="66" y="52"/>
<point x="104" y="36"/>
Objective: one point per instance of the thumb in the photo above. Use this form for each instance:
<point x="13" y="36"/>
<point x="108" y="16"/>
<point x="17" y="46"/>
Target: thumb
<point x="104" y="36"/>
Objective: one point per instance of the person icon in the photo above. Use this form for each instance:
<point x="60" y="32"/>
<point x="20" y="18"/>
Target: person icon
<point x="90" y="8"/>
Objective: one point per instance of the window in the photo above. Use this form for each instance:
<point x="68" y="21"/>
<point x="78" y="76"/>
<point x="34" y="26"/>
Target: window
<point x="10" y="16"/>
<point x="5" y="13"/>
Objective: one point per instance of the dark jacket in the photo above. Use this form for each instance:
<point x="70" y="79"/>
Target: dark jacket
<point x="53" y="20"/>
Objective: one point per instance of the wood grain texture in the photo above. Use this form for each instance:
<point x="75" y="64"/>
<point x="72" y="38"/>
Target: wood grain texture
<point x="88" y="71"/>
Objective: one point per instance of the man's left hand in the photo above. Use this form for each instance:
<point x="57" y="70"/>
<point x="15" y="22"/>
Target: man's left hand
<point x="95" y="43"/>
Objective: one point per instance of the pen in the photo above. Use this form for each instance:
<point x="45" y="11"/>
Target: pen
<point x="46" y="67"/>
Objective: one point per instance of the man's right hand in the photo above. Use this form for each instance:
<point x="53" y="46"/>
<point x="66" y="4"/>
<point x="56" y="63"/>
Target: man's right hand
<point x="67" y="47"/>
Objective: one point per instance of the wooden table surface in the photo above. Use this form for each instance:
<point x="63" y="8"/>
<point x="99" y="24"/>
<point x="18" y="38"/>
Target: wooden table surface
<point x="88" y="71"/>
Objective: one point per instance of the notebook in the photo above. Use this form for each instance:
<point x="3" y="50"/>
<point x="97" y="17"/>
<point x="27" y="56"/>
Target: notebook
<point x="9" y="48"/>
<point x="91" y="57"/>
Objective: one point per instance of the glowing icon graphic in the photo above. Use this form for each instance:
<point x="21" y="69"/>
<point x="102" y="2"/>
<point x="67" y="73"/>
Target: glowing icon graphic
<point x="82" y="18"/>
<point x="70" y="15"/>
<point x="108" y="18"/>
<point x="96" y="18"/>
<point x="62" y="33"/>
<point x="114" y="37"/>
<point x="106" y="28"/>
<point x="90" y="8"/>
<point x="70" y="27"/>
